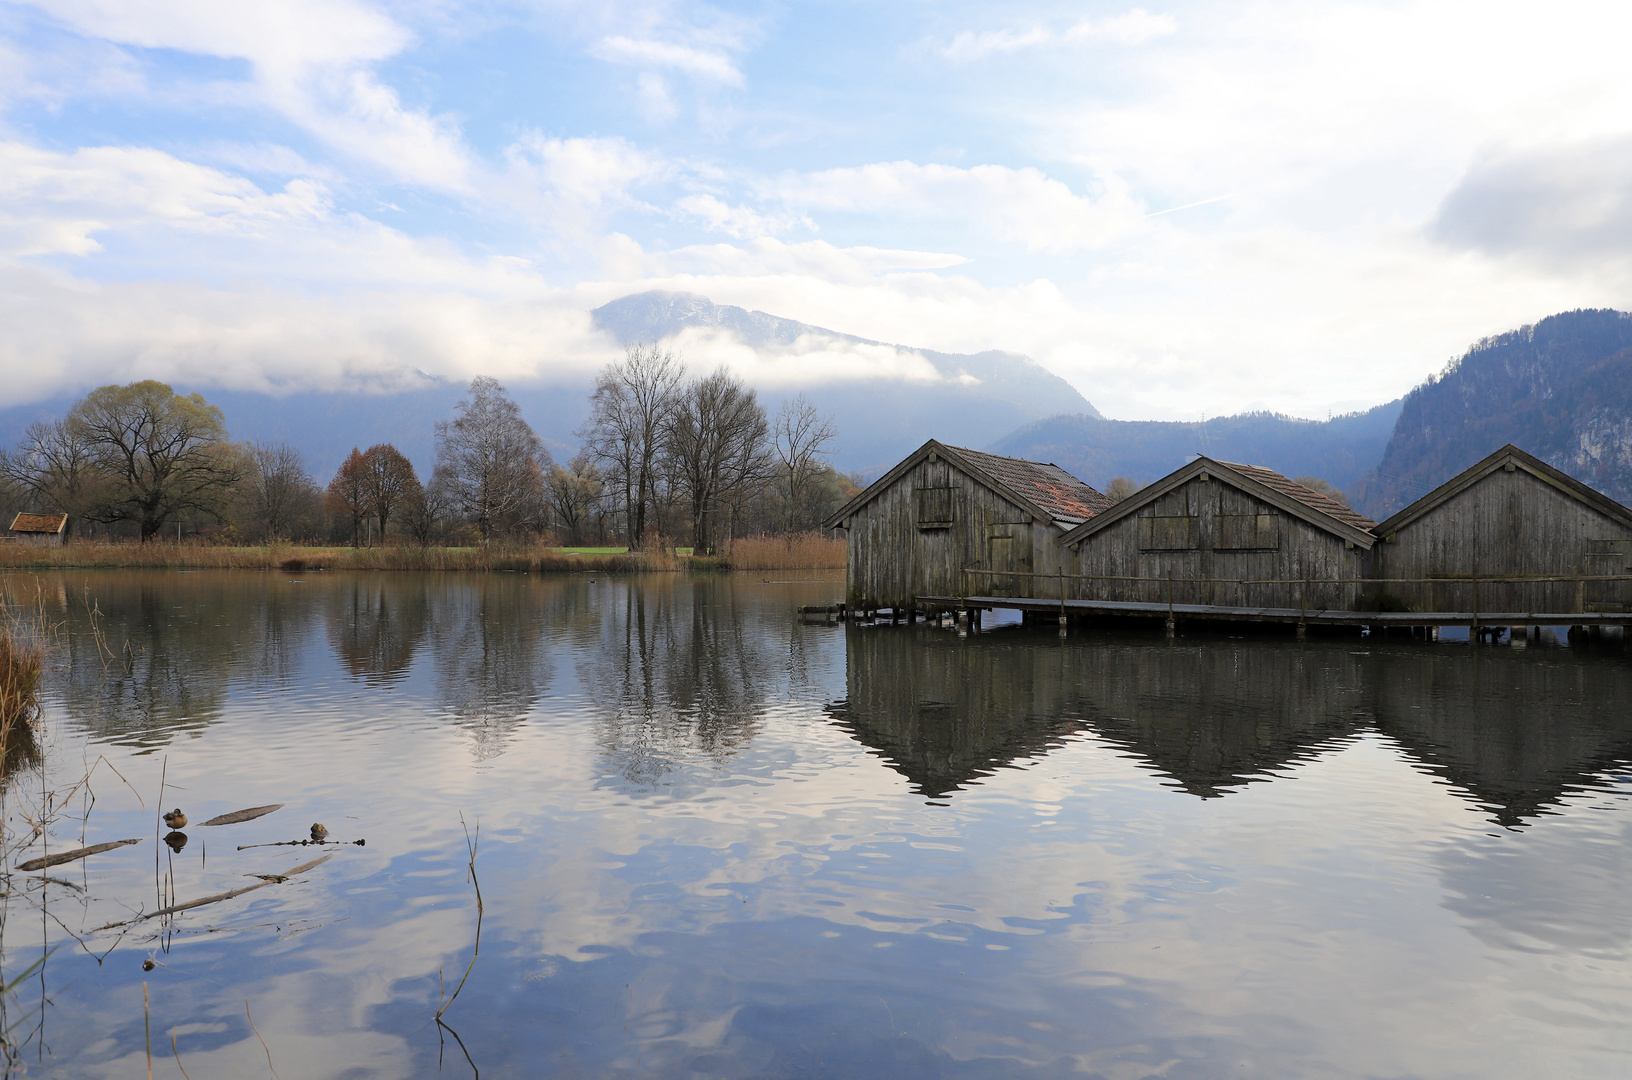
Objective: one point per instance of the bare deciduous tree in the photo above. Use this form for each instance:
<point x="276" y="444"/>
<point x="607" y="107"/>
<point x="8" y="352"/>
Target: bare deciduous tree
<point x="574" y="491"/>
<point x="715" y="438"/>
<point x="801" y="436"/>
<point x="277" y="487"/>
<point x="625" y="430"/>
<point x="493" y="462"/>
<point x="52" y="467"/>
<point x="156" y="454"/>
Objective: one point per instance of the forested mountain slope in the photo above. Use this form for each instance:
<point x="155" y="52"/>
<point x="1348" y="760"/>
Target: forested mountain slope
<point x="1339" y="450"/>
<point x="1561" y="389"/>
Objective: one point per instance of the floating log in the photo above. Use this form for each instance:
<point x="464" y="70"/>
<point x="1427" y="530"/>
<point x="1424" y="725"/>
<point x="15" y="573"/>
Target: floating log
<point x="78" y="853"/>
<point x="244" y="815"/>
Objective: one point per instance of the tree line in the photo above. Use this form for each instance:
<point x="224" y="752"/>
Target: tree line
<point x="664" y="458"/>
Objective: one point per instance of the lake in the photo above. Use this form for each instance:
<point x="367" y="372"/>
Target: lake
<point x="715" y="840"/>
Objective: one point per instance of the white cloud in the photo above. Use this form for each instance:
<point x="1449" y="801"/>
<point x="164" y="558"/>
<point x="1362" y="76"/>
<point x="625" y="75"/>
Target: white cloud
<point x="1019" y="206"/>
<point x="1133" y="28"/>
<point x="312" y="63"/>
<point x="709" y="64"/>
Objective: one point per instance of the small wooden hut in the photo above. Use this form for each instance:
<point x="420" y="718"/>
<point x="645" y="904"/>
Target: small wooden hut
<point x="1510" y="515"/>
<point x="39" y="530"/>
<point x="1222" y="534"/>
<point x="913" y="532"/>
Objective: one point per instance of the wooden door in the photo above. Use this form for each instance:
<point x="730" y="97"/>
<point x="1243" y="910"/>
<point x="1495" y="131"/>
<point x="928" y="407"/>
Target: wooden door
<point x="1008" y="555"/>
<point x="1608" y="558"/>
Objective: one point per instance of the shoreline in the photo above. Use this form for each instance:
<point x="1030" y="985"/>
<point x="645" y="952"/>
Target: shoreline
<point x="775" y="553"/>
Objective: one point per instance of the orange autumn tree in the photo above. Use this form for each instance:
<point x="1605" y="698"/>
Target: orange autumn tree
<point x="348" y="492"/>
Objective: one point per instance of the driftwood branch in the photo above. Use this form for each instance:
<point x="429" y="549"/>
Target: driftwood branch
<point x="69" y="856"/>
<point x="267" y="879"/>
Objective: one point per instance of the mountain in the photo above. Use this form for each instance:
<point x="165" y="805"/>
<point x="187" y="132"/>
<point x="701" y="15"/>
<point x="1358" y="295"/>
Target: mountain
<point x="1339" y="450"/>
<point x="882" y="415"/>
<point x="1561" y="389"/>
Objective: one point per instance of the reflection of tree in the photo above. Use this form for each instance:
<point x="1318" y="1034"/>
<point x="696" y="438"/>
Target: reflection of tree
<point x="675" y="670"/>
<point x="375" y="623"/>
<point x="171" y="646"/>
<point x="486" y="634"/>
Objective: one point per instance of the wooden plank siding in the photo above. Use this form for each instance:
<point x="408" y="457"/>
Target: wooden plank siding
<point x="895" y="557"/>
<point x="1507" y="520"/>
<point x="1213" y="531"/>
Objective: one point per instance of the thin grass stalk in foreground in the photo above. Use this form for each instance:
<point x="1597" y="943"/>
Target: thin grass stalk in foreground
<point x="470" y="845"/>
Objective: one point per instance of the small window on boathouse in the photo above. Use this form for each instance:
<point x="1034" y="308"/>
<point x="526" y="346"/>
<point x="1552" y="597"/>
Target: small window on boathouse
<point x="934" y="507"/>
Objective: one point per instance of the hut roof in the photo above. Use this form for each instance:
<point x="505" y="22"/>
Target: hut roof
<point x="1287" y="495"/>
<point x="1501" y="459"/>
<point x="39" y="523"/>
<point x="1047" y="490"/>
<point x="1306" y="495"/>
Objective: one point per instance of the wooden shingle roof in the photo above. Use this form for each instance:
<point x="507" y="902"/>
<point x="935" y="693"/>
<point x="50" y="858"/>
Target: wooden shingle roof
<point x="1048" y="491"/>
<point x="39" y="523"/>
<point x="1306" y="495"/>
<point x="1066" y="498"/>
<point x="1290" y="496"/>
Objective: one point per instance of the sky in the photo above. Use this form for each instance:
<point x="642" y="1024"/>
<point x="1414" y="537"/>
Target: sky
<point x="1184" y="209"/>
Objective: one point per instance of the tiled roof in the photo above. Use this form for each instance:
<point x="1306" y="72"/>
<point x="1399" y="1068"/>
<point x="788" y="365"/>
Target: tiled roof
<point x="1308" y="496"/>
<point x="1065" y="497"/>
<point x="39" y="523"/>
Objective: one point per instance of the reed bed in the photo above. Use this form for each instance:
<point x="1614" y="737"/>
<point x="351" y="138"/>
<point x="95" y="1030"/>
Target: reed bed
<point x="803" y="551"/>
<point x="23" y="629"/>
<point x="800" y="552"/>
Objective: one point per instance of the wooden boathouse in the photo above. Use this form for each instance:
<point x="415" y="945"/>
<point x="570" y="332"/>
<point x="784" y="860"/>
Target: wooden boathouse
<point x="38" y="530"/>
<point x="912" y="532"/>
<point x="1219" y="534"/>
<point x="1511" y="516"/>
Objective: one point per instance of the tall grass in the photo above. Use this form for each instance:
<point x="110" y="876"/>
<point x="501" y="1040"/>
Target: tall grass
<point x="802" y="551"/>
<point x="22" y="661"/>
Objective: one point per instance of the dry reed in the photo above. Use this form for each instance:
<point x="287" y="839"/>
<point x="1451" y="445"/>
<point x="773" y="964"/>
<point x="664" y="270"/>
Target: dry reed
<point x="801" y="552"/>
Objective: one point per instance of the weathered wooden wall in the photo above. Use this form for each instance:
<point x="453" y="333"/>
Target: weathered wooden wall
<point x="1507" y="524"/>
<point x="893" y="559"/>
<point x="1212" y="531"/>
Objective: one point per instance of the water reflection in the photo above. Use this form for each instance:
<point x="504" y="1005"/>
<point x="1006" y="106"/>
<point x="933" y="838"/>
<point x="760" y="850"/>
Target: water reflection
<point x="675" y="671"/>
<point x="1516" y="732"/>
<point x="486" y="643"/>
<point x="376" y="624"/>
<point x="147" y="655"/>
<point x="875" y="851"/>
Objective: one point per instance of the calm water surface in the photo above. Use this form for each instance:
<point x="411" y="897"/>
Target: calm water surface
<point x="718" y="842"/>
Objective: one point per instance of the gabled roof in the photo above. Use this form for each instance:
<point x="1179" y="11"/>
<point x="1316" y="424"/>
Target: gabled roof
<point x="1306" y="495"/>
<point x="1047" y="491"/>
<point x="39" y="523"/>
<point x="1288" y="496"/>
<point x="1507" y="455"/>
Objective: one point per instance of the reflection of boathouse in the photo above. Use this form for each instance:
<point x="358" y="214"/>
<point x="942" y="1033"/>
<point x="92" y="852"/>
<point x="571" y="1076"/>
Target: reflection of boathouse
<point x="1514" y="733"/>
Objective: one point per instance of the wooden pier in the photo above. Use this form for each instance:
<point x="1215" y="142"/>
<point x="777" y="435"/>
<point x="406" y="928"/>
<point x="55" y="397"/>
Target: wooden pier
<point x="1289" y="616"/>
